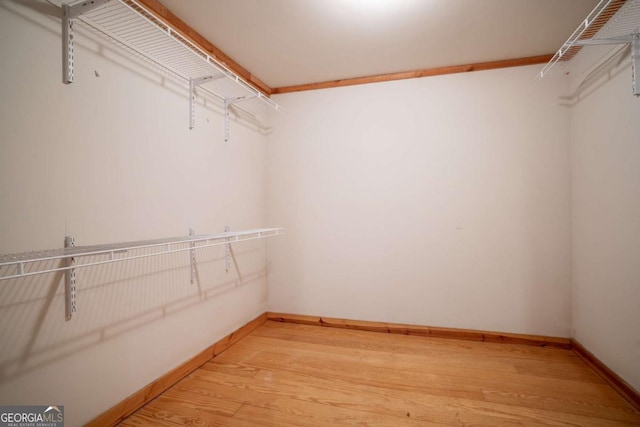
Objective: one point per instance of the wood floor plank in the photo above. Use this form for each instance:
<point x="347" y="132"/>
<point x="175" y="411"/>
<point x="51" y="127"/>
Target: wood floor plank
<point x="442" y="359"/>
<point x="173" y="412"/>
<point x="311" y="413"/>
<point x="300" y="375"/>
<point x="549" y="362"/>
<point x="602" y="410"/>
<point x="456" y="363"/>
<point x="300" y="413"/>
<point x="396" y="343"/>
<point x="336" y="394"/>
<point x="566" y="396"/>
<point x="386" y="377"/>
<point x="467" y="386"/>
<point x="436" y="409"/>
<point x="193" y="400"/>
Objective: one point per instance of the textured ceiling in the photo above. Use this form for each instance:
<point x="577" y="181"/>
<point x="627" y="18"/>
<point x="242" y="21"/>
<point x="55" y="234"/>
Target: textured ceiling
<point x="290" y="42"/>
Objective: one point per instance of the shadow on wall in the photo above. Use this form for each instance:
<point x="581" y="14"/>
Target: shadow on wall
<point x="112" y="299"/>
<point x="618" y="62"/>
<point x="92" y="43"/>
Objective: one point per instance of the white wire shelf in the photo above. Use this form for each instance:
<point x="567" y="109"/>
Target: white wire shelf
<point x="621" y="28"/>
<point x="129" y="25"/>
<point x="577" y="34"/>
<point x="13" y="266"/>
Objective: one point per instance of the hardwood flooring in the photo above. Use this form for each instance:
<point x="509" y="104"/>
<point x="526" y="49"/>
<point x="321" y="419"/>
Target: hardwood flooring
<point x="285" y="374"/>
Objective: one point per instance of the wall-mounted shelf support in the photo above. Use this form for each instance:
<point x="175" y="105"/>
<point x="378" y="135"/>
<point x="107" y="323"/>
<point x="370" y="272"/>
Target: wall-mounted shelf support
<point x="192" y="257"/>
<point x="15" y="266"/>
<point x="635" y="61"/>
<point x="228" y="103"/>
<point x="70" y="11"/>
<point x="67" y="46"/>
<point x="227" y="252"/>
<point x="70" y="281"/>
<point x="193" y="83"/>
<point x="634" y="41"/>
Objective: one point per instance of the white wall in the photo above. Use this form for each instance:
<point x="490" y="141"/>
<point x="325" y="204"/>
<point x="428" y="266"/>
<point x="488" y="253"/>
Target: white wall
<point x="111" y="159"/>
<point x="441" y="201"/>
<point x="605" y="146"/>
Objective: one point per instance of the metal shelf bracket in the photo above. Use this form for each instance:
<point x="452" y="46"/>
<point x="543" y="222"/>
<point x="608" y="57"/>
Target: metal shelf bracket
<point x="193" y="83"/>
<point x="228" y="103"/>
<point x="192" y="256"/>
<point x="67" y="46"/>
<point x="227" y="251"/>
<point x="70" y="281"/>
<point x="634" y="41"/>
<point x="635" y="63"/>
<point x="70" y="11"/>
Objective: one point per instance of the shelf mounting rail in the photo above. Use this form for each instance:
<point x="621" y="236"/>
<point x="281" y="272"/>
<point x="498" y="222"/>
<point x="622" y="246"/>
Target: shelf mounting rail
<point x="15" y="266"/>
<point x="69" y="13"/>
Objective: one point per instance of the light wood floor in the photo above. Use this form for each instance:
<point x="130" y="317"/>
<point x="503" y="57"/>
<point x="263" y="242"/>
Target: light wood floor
<point x="288" y="374"/>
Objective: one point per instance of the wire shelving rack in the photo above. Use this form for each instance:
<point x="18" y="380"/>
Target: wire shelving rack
<point x="131" y="26"/>
<point x="71" y="257"/>
<point x="622" y="28"/>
